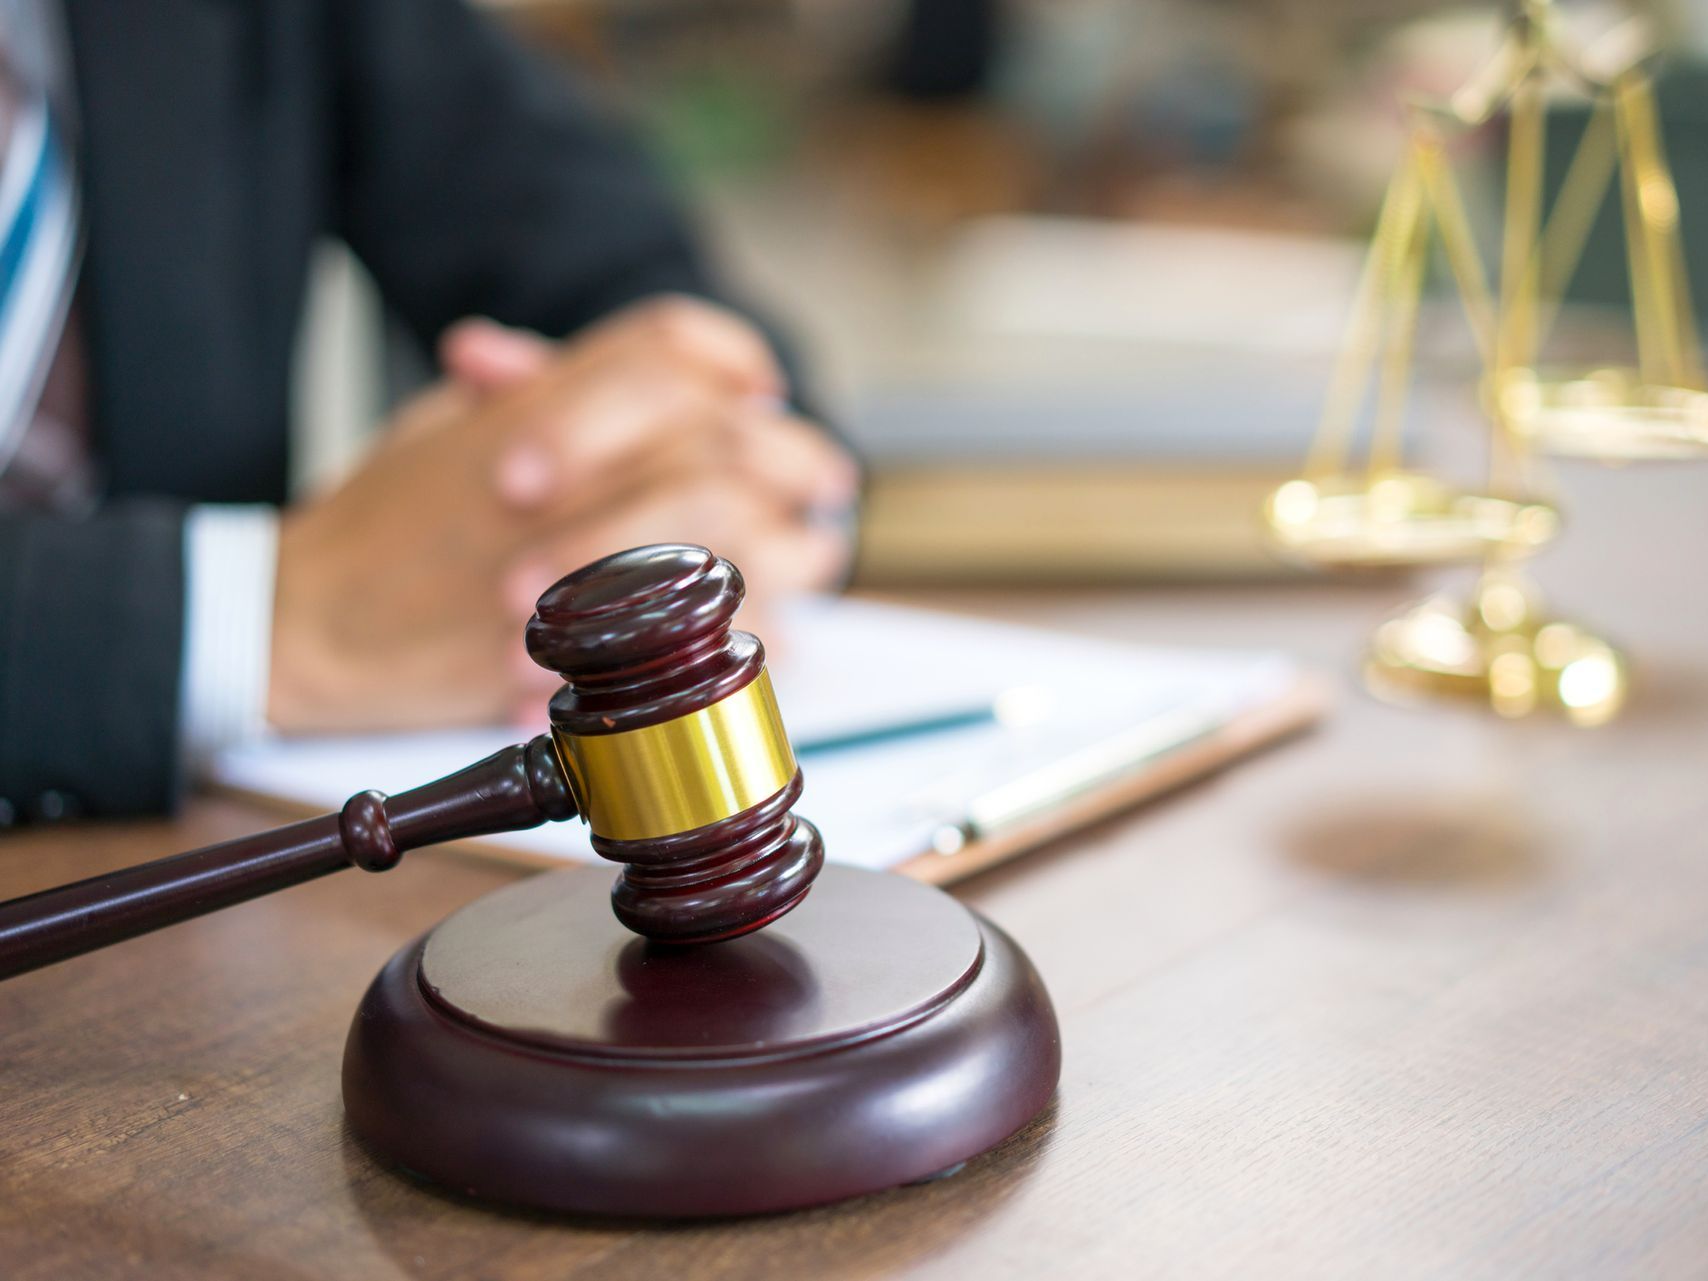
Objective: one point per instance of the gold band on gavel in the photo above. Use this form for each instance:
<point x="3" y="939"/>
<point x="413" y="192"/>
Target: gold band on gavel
<point x="641" y="784"/>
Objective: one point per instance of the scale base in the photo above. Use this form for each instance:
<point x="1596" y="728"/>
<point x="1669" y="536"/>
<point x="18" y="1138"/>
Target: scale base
<point x="1502" y="649"/>
<point x="531" y="1051"/>
<point x="1397" y="519"/>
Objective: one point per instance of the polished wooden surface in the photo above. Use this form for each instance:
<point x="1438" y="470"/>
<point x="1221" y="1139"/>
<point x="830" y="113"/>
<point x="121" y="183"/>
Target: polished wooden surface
<point x="534" y="1054"/>
<point x="1423" y="994"/>
<point x="642" y="638"/>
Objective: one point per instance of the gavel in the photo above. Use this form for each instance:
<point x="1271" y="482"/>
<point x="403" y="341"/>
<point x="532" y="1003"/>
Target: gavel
<point x="665" y="738"/>
<point x="533" y="1049"/>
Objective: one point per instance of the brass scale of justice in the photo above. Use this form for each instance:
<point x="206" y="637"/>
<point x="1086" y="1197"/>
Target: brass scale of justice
<point x="1501" y="646"/>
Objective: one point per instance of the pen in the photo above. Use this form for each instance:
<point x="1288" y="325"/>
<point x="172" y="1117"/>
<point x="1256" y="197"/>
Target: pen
<point x="1021" y="800"/>
<point x="1018" y="706"/>
<point x="937" y="723"/>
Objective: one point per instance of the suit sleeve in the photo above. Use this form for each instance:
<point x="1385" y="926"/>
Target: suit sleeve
<point x="476" y="180"/>
<point x="91" y="638"/>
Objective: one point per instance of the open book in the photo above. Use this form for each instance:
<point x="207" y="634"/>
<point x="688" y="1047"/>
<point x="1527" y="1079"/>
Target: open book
<point x="1035" y="733"/>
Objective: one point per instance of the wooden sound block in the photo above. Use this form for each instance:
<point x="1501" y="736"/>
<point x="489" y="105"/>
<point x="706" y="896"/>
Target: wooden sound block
<point x="532" y="1051"/>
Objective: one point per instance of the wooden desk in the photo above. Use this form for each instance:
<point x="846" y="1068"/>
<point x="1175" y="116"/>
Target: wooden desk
<point x="1424" y="994"/>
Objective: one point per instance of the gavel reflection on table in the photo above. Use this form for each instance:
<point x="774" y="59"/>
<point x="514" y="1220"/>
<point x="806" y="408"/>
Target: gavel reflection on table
<point x="718" y="1043"/>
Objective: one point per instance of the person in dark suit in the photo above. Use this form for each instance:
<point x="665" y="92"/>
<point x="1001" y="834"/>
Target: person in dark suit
<point x="176" y="160"/>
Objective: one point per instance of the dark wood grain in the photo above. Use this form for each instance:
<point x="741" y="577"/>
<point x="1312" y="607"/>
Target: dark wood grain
<point x="643" y="637"/>
<point x="515" y="788"/>
<point x="1422" y="995"/>
<point x="530" y="1051"/>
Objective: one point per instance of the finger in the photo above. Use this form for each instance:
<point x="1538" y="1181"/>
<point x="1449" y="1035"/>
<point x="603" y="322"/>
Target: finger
<point x="487" y="356"/>
<point x="790" y="558"/>
<point x="779" y="555"/>
<point x="761" y="621"/>
<point x="628" y="504"/>
<point x="527" y="678"/>
<point x="570" y="449"/>
<point x="527" y="474"/>
<point x="529" y="577"/>
<point x="529" y="700"/>
<point x="700" y="333"/>
<point x="800" y="463"/>
<point x="526" y="714"/>
<point x="613" y="391"/>
<point x="439" y="408"/>
<point x="720" y="510"/>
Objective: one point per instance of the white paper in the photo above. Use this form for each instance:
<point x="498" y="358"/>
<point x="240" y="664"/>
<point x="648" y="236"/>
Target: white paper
<point x="842" y="666"/>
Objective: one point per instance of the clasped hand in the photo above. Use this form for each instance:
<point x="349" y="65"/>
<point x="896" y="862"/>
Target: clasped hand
<point x="401" y="593"/>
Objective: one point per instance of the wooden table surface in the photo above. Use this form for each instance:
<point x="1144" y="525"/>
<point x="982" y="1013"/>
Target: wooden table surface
<point x="1423" y="994"/>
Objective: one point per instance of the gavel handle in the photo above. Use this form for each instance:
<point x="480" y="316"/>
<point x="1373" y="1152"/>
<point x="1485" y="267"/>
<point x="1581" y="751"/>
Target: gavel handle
<point x="519" y="787"/>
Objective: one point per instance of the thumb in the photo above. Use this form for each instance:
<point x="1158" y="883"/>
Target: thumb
<point x="487" y="356"/>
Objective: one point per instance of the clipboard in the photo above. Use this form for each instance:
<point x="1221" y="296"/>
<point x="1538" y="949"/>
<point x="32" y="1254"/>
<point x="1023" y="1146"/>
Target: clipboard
<point x="1079" y="729"/>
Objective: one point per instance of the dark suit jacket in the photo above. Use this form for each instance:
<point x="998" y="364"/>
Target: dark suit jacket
<point x="219" y="139"/>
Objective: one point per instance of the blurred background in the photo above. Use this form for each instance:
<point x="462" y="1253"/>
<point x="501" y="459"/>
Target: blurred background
<point x="1070" y="273"/>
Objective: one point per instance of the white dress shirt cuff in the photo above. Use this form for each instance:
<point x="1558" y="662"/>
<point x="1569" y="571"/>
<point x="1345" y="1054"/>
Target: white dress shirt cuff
<point x="230" y="558"/>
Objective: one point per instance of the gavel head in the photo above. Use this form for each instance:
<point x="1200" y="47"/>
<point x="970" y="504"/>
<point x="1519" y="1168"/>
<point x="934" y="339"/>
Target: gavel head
<point x="669" y="733"/>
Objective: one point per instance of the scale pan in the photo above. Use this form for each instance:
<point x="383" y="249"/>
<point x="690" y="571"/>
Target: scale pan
<point x="1399" y="519"/>
<point x="1608" y="414"/>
